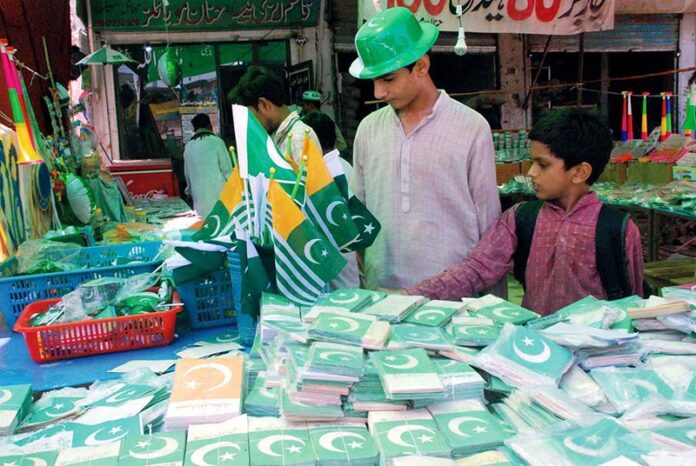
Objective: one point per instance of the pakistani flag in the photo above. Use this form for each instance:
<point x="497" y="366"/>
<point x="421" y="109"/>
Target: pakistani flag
<point x="195" y="259"/>
<point x="305" y="260"/>
<point x="367" y="224"/>
<point x="233" y="209"/>
<point x="256" y="151"/>
<point x="333" y="163"/>
<point x="325" y="206"/>
<point x="255" y="278"/>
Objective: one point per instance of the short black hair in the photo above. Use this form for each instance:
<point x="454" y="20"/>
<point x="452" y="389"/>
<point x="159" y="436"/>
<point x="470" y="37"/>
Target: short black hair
<point x="201" y="121"/>
<point x="575" y="135"/>
<point x="323" y="125"/>
<point x="258" y="81"/>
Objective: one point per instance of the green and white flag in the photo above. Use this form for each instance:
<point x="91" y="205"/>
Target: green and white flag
<point x="335" y="166"/>
<point x="419" y="336"/>
<point x="296" y="411"/>
<point x="435" y="313"/>
<point x="104" y="455"/>
<point x="351" y="300"/>
<point x="501" y="311"/>
<point x="679" y="435"/>
<point x="15" y="403"/>
<point x="522" y="357"/>
<point x="593" y="445"/>
<point x="468" y="426"/>
<point x="460" y="380"/>
<point x="394" y="307"/>
<point x="51" y="409"/>
<point x="335" y="358"/>
<point x="256" y="151"/>
<point x="39" y="458"/>
<point x="275" y="442"/>
<point x="164" y="448"/>
<point x="106" y="432"/>
<point x="262" y="400"/>
<point x="405" y="433"/>
<point x="343" y="443"/>
<point x="473" y="331"/>
<point x="356" y="329"/>
<point x="255" y="280"/>
<point x="225" y="443"/>
<point x="406" y="372"/>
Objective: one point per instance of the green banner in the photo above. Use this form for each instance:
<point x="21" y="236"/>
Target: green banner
<point x="202" y="15"/>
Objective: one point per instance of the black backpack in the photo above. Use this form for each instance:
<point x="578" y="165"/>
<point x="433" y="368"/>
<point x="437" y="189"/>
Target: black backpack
<point x="610" y="247"/>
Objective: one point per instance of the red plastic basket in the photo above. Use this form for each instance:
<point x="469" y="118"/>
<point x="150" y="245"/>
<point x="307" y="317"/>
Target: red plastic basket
<point x="86" y="338"/>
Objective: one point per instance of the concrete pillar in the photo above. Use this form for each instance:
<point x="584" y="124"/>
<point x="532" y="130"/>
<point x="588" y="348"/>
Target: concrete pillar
<point x="513" y="75"/>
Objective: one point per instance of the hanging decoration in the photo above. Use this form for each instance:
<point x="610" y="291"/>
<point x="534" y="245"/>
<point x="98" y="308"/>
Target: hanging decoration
<point x="169" y="67"/>
<point x="630" y="116"/>
<point x="689" y="125"/>
<point x="644" y="118"/>
<point x="624" y="133"/>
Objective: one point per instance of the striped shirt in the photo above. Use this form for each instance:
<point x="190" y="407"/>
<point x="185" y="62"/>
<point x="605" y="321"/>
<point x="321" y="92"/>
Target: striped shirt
<point x="561" y="268"/>
<point x="433" y="190"/>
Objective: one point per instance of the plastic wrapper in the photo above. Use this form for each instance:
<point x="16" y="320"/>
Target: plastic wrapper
<point x="684" y="322"/>
<point x="522" y="357"/>
<point x="588" y="311"/>
<point x="582" y="387"/>
<point x="43" y="256"/>
<point x="557" y="401"/>
<point x="635" y="392"/>
<point x="581" y="336"/>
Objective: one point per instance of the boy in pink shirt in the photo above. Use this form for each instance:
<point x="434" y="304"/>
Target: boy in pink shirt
<point x="565" y="246"/>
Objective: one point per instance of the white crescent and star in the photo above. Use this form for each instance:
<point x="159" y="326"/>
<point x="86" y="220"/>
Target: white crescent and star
<point x="427" y="312"/>
<point x="59" y="406"/>
<point x="198" y="456"/>
<point x="326" y="441"/>
<point x="326" y="355"/>
<point x="215" y="218"/>
<point x="308" y="250"/>
<point x="121" y="395"/>
<point x="226" y="374"/>
<point x="395" y="435"/>
<point x="225" y="339"/>
<point x="498" y="311"/>
<point x="539" y="358"/>
<point x="423" y="336"/>
<point x="455" y="425"/>
<point x="6" y="395"/>
<point x="170" y="446"/>
<point x="570" y="444"/>
<point x="410" y="363"/>
<point x="352" y="324"/>
<point x="329" y="212"/>
<point x="92" y="440"/>
<point x="352" y="299"/>
<point x="265" y="445"/>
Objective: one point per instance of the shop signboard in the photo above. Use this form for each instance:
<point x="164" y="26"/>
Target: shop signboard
<point x="202" y="15"/>
<point x="557" y="17"/>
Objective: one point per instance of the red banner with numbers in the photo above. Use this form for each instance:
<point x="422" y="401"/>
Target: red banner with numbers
<point x="558" y="17"/>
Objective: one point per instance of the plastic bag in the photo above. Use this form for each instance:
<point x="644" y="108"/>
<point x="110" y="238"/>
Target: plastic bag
<point x="43" y="256"/>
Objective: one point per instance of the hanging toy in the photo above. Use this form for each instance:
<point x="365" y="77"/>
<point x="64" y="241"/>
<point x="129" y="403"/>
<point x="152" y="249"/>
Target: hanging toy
<point x="630" y="116"/>
<point x="689" y="125"/>
<point x="644" y="118"/>
<point x="663" y="121"/>
<point x="624" y="134"/>
<point x="169" y="68"/>
<point x="669" y="115"/>
<point x="80" y="197"/>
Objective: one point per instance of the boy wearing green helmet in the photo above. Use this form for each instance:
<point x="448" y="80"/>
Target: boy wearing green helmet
<point x="424" y="164"/>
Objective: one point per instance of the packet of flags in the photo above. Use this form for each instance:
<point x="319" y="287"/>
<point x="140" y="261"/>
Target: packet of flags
<point x="276" y="442"/>
<point x="394" y="307"/>
<point x="343" y="443"/>
<point x="335" y="359"/>
<point x="406" y="433"/>
<point x="460" y="353"/>
<point x="468" y="427"/>
<point x="162" y="448"/>
<point x="355" y="329"/>
<point x="630" y="389"/>
<point x="522" y="357"/>
<point x="292" y="410"/>
<point x="278" y="316"/>
<point x="15" y="403"/>
<point x="591" y="441"/>
<point x="677" y="435"/>
<point x="624" y="355"/>
<point x="205" y="390"/>
<point x="369" y="395"/>
<point x="460" y="379"/>
<point x="473" y="331"/>
<point x="582" y="336"/>
<point x="435" y="313"/>
<point x="224" y="443"/>
<point x="407" y="374"/>
<point x="351" y="300"/>
<point x="261" y="400"/>
<point x="39" y="458"/>
<point x="556" y="402"/>
<point x="589" y="311"/>
<point x="580" y="386"/>
<point x="419" y="336"/>
<point x="500" y="311"/>
<point x="103" y="455"/>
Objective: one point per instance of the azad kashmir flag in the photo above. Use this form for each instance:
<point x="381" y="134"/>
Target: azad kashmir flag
<point x="324" y="205"/>
<point x="305" y="260"/>
<point x="232" y="210"/>
<point x="254" y="277"/>
<point x="256" y="151"/>
<point x="367" y="224"/>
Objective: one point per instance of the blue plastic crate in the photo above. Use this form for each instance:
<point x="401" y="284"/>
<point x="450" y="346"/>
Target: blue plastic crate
<point x="215" y="300"/>
<point x="95" y="262"/>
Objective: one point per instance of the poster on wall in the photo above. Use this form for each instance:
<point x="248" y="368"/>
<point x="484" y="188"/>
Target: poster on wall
<point x="550" y="17"/>
<point x="300" y="79"/>
<point x="187" y="114"/>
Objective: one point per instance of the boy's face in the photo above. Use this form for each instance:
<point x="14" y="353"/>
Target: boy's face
<point x="397" y="89"/>
<point x="549" y="176"/>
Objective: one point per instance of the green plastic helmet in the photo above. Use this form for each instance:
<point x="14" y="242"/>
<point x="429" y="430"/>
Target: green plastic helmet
<point x="391" y="40"/>
<point x="311" y="96"/>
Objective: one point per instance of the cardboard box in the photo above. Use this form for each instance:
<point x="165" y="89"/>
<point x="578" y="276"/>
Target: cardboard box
<point x="653" y="173"/>
<point x="504" y="172"/>
<point x="615" y="172"/>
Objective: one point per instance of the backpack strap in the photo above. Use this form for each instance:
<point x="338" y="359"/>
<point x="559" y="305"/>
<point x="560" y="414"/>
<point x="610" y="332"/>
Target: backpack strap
<point x="610" y="252"/>
<point x="525" y="223"/>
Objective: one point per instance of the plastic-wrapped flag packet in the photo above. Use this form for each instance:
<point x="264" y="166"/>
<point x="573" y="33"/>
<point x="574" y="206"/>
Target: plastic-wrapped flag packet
<point x="523" y="357"/>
